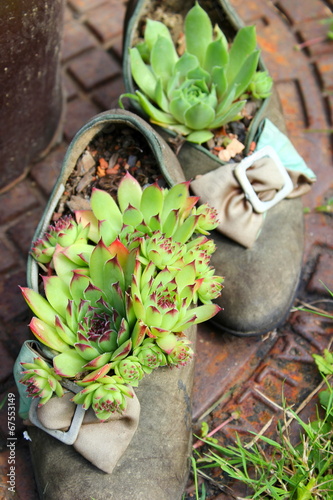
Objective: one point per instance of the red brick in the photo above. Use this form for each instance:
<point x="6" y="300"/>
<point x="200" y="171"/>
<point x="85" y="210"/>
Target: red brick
<point x="78" y="113"/>
<point x="325" y="68"/>
<point x="94" y="67"/>
<point x="46" y="171"/>
<point x="23" y="231"/>
<point x="6" y="364"/>
<point x="107" y="96"/>
<point x="323" y="275"/>
<point x="11" y="300"/>
<point x="299" y="11"/>
<point x="70" y="87"/>
<point x="117" y="47"/>
<point x="26" y="486"/>
<point x="8" y="256"/>
<point x="68" y="14"/>
<point x="107" y="20"/>
<point x="84" y="5"/>
<point x="315" y="32"/>
<point x="76" y="39"/>
<point x="17" y="201"/>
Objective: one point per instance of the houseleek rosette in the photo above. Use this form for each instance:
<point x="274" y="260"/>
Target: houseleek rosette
<point x="204" y="88"/>
<point x="41" y="380"/>
<point x="124" y="281"/>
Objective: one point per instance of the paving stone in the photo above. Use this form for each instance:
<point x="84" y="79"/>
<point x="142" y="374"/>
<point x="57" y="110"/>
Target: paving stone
<point x="46" y="171"/>
<point x="107" y="95"/>
<point x="76" y="39"/>
<point x="78" y="113"/>
<point x="93" y="68"/>
<point x="117" y="47"/>
<point x="323" y="275"/>
<point x="8" y="256"/>
<point x="84" y="5"/>
<point x="17" y="201"/>
<point x="70" y="87"/>
<point x="299" y="11"/>
<point x="11" y="301"/>
<point x="315" y="32"/>
<point x="325" y="68"/>
<point x="107" y="21"/>
<point x="68" y="14"/>
<point x="26" y="487"/>
<point x="6" y="364"/>
<point x="22" y="232"/>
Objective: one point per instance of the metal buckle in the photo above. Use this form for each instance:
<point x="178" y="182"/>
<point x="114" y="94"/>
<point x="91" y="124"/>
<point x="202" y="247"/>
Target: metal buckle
<point x="250" y="194"/>
<point x="69" y="436"/>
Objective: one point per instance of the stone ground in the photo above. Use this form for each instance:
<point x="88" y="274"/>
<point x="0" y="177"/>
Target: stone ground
<point x="246" y="375"/>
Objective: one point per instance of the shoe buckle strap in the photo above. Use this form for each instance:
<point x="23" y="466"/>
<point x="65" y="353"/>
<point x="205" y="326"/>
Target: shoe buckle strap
<point x="240" y="173"/>
<point x="67" y="437"/>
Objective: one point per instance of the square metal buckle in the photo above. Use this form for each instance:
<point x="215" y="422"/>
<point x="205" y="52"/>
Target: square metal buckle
<point x="250" y="194"/>
<point x="69" y="436"/>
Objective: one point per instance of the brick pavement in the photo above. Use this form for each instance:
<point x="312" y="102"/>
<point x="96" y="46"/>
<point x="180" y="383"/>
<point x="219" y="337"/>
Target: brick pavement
<point x="91" y="60"/>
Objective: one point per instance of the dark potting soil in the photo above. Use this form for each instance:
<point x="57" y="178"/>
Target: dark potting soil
<point x="117" y="149"/>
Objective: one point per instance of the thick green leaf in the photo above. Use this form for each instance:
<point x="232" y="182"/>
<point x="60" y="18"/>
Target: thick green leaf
<point x="163" y="59"/>
<point x="142" y="74"/>
<point x="79" y="253"/>
<point x="39" y="305"/>
<point x="170" y="224"/>
<point x="99" y="257"/>
<point x="186" y="63"/>
<point x="86" y="351"/>
<point x="153" y="30"/>
<point x="132" y="217"/>
<point x="178" y="106"/>
<point x="226" y="102"/>
<point x="185" y="231"/>
<point x="105" y="208"/>
<point x="199" y="116"/>
<point x="200" y="75"/>
<point x="216" y="55"/>
<point x="198" y="32"/>
<point x="245" y="74"/>
<point x="160" y="97"/>
<point x="154" y="113"/>
<point x="186" y="276"/>
<point x="173" y="85"/>
<point x="77" y="286"/>
<point x="129" y="192"/>
<point x="199" y="137"/>
<point x="175" y="199"/>
<point x="57" y="293"/>
<point x="86" y="217"/>
<point x="230" y="115"/>
<point x="151" y="202"/>
<point x="47" y="334"/>
<point x="64" y="332"/>
<point x="243" y="45"/>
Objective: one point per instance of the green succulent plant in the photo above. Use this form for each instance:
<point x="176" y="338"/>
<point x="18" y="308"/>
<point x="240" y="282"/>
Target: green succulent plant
<point x="41" y="380"/>
<point x="202" y="89"/>
<point x="121" y="286"/>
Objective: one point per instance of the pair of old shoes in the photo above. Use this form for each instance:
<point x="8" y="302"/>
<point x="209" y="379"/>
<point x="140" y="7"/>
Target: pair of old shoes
<point x="258" y="253"/>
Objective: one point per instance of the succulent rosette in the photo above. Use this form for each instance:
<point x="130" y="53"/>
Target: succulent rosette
<point x="106" y="395"/>
<point x="202" y="89"/>
<point x="121" y="288"/>
<point x="41" y="380"/>
<point x="150" y="355"/>
<point x="261" y="85"/>
<point x="64" y="233"/>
